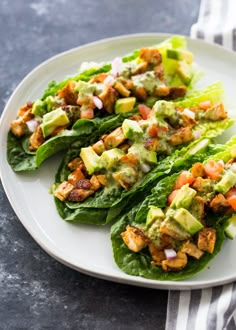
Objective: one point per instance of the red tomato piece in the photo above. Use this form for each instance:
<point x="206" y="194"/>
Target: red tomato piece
<point x="172" y="196"/>
<point x="184" y="178"/>
<point x="144" y="110"/>
<point x="87" y="113"/>
<point x="232" y="201"/>
<point x="213" y="169"/>
<point x="153" y="130"/>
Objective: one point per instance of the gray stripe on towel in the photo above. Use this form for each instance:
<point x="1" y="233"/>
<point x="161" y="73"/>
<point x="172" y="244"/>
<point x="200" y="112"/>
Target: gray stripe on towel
<point x="212" y="313"/>
<point x="193" y="308"/>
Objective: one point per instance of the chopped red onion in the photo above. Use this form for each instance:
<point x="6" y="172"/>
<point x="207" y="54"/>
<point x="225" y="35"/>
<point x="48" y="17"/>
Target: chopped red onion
<point x="116" y="67"/>
<point x="197" y="134"/>
<point x="189" y="113"/>
<point x="32" y="125"/>
<point x="170" y="254"/>
<point x="98" y="103"/>
<point x="145" y="168"/>
<point x="109" y="81"/>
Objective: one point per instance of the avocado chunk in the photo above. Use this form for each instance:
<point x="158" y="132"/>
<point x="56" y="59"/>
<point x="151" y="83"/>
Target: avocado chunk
<point x="91" y="159"/>
<point x="184" y="71"/>
<point x="154" y="213"/>
<point x="230" y="228"/>
<point x="52" y="120"/>
<point x="180" y="55"/>
<point x="131" y="129"/>
<point x="125" y="105"/>
<point x="228" y="181"/>
<point x="144" y="155"/>
<point x="183" y="197"/>
<point x="110" y="157"/>
<point x="39" y="108"/>
<point x="172" y="228"/>
<point x="187" y="221"/>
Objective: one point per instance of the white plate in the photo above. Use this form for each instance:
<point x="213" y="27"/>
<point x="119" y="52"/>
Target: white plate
<point x="83" y="247"/>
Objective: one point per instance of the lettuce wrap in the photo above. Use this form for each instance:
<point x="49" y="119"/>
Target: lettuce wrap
<point x="104" y="204"/>
<point x="217" y="217"/>
<point x="80" y="105"/>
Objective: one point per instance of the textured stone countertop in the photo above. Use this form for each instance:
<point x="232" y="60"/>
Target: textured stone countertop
<point x="37" y="292"/>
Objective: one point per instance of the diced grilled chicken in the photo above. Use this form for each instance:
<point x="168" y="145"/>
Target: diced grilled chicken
<point x="84" y="184"/>
<point x="162" y="90"/>
<point x="175" y="264"/>
<point x="126" y="82"/>
<point x="121" y="89"/>
<point x="140" y="93"/>
<point x="36" y="139"/>
<point x="187" y="121"/>
<point x="68" y="93"/>
<point x="134" y="238"/>
<point x="159" y="72"/>
<point x="192" y="250"/>
<point x="126" y="180"/>
<point x="141" y="68"/>
<point x="58" y="130"/>
<point x="108" y="98"/>
<point x="130" y="159"/>
<point x="124" y="147"/>
<point x="79" y="195"/>
<point x="95" y="184"/>
<point x="198" y="170"/>
<point x="206" y="239"/>
<point x="150" y="55"/>
<point x="202" y="185"/>
<point x="219" y="204"/>
<point x="75" y="163"/>
<point x="217" y="112"/>
<point x="99" y="147"/>
<point x="156" y="254"/>
<point x="75" y="176"/>
<point x="151" y="144"/>
<point x="176" y="92"/>
<point x="18" y="126"/>
<point x="98" y="78"/>
<point x="183" y="135"/>
<point x="63" y="190"/>
<point x="24" y="109"/>
<point x="114" y="139"/>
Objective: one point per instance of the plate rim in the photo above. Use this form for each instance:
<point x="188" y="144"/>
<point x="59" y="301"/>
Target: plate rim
<point x="48" y="248"/>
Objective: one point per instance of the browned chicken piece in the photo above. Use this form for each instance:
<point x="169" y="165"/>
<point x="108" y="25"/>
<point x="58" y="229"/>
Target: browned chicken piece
<point x="99" y="147"/>
<point x="79" y="195"/>
<point x="84" y="184"/>
<point x="124" y="180"/>
<point x="18" y="126"/>
<point x="102" y="179"/>
<point x="58" y="130"/>
<point x="141" y="68"/>
<point x="130" y="159"/>
<point x="198" y="170"/>
<point x="151" y="144"/>
<point x="99" y="78"/>
<point x="36" y="139"/>
<point x="162" y="90"/>
<point x="136" y="117"/>
<point x="108" y="98"/>
<point x="217" y="112"/>
<point x="134" y="238"/>
<point x="68" y="93"/>
<point x="95" y="184"/>
<point x="126" y="82"/>
<point x="75" y="163"/>
<point x="187" y="121"/>
<point x="207" y="239"/>
<point x="121" y="89"/>
<point x="150" y="55"/>
<point x="202" y="185"/>
<point x="192" y="250"/>
<point x="25" y="108"/>
<point x="219" y="204"/>
<point x="156" y="254"/>
<point x="183" y="135"/>
<point x="175" y="264"/>
<point x="140" y="93"/>
<point x="114" y="139"/>
<point x="75" y="176"/>
<point x="159" y="72"/>
<point x="63" y="190"/>
<point x="176" y="92"/>
<point x="124" y="147"/>
<point x="169" y="230"/>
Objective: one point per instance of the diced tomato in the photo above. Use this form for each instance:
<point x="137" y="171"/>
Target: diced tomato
<point x="213" y="169"/>
<point x="172" y="196"/>
<point x="153" y="130"/>
<point x="230" y="193"/>
<point x="204" y="105"/>
<point x="232" y="201"/>
<point x="144" y="110"/>
<point x="184" y="178"/>
<point x="151" y="114"/>
<point x="87" y="113"/>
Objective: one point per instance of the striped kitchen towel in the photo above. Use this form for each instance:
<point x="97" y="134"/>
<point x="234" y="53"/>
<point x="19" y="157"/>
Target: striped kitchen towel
<point x="212" y="308"/>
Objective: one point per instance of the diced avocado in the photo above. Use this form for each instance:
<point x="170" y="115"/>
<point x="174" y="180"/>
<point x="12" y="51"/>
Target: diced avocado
<point x="228" y="181"/>
<point x="150" y="101"/>
<point x="183" y="198"/>
<point x="154" y="214"/>
<point x="187" y="221"/>
<point x="164" y="109"/>
<point x="52" y="120"/>
<point x="172" y="228"/>
<point x="180" y="55"/>
<point x="144" y="155"/>
<point x="185" y="71"/>
<point x="125" y="105"/>
<point x="85" y="87"/>
<point x="230" y="228"/>
<point x="131" y="129"/>
<point x="39" y="108"/>
<point x="110" y="157"/>
<point x="91" y="159"/>
<point x="200" y="146"/>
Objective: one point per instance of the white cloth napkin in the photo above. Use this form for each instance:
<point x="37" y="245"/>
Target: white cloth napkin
<point x="212" y="308"/>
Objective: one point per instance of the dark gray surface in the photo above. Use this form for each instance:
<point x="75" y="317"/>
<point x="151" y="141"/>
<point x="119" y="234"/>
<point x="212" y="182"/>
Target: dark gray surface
<point x="36" y="292"/>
